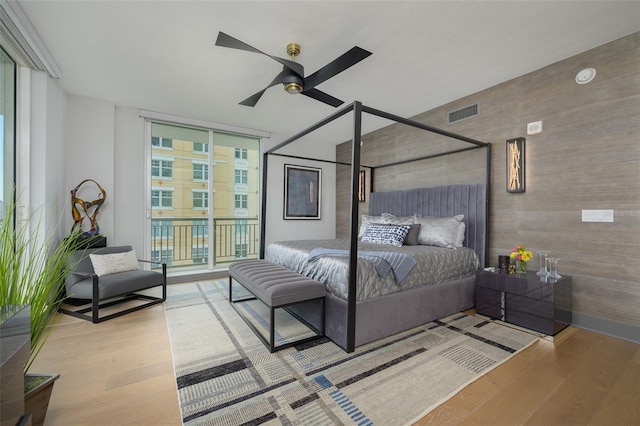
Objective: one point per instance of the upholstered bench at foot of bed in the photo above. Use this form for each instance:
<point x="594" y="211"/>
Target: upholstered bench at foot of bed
<point x="277" y="287"/>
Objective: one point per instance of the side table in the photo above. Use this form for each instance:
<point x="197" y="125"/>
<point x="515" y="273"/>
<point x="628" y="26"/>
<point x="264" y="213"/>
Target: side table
<point x="541" y="304"/>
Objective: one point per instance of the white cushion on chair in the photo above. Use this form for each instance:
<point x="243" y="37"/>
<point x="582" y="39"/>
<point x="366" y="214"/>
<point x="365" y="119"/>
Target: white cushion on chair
<point x="111" y="263"/>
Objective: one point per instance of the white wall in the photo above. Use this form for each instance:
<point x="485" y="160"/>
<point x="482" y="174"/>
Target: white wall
<point x="40" y="162"/>
<point x="129" y="180"/>
<point x="279" y="229"/>
<point x="89" y="151"/>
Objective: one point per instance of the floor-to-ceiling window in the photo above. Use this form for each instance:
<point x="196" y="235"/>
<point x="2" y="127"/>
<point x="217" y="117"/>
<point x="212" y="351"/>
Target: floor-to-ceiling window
<point x="203" y="196"/>
<point x="7" y="128"/>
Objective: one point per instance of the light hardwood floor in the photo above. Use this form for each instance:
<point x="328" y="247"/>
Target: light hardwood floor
<point x="120" y="373"/>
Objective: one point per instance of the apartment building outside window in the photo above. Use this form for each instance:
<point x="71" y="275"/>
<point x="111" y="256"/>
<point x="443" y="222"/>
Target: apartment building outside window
<point x="200" y="199"/>
<point x="200" y="171"/>
<point x="200" y="147"/>
<point x="162" y="168"/>
<point x="162" y="198"/>
<point x="209" y="180"/>
<point x="161" y="142"/>
<point x="241" y="153"/>
<point x="241" y="177"/>
<point x="241" y="201"/>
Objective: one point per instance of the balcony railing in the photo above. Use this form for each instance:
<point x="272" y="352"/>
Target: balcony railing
<point x="185" y="242"/>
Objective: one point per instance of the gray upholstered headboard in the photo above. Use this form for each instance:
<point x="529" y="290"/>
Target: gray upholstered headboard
<point x="469" y="200"/>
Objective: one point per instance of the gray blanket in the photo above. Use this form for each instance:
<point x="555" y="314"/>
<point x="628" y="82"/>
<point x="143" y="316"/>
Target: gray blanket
<point x="384" y="262"/>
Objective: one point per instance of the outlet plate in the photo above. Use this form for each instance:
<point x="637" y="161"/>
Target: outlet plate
<point x="597" y="215"/>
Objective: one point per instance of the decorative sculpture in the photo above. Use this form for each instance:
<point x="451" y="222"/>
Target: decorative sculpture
<point x="78" y="217"/>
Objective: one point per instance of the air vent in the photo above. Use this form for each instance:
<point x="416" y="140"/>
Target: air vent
<point x="463" y="113"/>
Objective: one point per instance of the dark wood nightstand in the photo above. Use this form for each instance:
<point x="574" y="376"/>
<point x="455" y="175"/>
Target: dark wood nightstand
<point x="527" y="300"/>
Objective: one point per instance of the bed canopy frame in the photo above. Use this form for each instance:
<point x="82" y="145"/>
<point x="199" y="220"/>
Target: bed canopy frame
<point x="358" y="109"/>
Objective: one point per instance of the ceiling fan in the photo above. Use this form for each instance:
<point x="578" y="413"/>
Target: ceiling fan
<point x="292" y="74"/>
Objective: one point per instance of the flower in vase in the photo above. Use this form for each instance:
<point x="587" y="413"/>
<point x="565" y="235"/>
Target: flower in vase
<point x="521" y="254"/>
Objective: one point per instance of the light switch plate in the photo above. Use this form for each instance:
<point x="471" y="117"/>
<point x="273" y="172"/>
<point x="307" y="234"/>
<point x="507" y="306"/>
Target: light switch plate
<point x="597" y="215"/>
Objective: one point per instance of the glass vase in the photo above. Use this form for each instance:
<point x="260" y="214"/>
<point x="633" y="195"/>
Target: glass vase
<point x="542" y="256"/>
<point x="553" y="267"/>
<point x="521" y="266"/>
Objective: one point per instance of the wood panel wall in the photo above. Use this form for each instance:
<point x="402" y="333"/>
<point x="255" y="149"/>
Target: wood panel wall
<point x="586" y="157"/>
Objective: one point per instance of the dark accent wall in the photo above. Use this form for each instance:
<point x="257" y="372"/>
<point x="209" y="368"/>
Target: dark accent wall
<point x="586" y="157"/>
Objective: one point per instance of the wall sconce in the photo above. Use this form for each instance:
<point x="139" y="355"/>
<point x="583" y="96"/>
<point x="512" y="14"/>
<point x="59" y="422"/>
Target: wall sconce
<point x="515" y="165"/>
<point x="362" y="185"/>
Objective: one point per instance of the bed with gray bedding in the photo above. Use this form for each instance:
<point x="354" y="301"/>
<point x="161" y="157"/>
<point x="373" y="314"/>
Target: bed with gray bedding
<point x="433" y="265"/>
<point x="441" y="283"/>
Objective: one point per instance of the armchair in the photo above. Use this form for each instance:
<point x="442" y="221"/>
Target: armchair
<point x="108" y="276"/>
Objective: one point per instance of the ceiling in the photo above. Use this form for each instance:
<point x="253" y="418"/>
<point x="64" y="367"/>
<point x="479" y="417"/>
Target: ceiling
<point x="160" y="55"/>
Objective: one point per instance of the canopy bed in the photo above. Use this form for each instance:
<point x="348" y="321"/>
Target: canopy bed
<point x="364" y="302"/>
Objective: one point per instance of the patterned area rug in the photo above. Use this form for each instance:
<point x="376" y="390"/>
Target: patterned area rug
<point x="226" y="376"/>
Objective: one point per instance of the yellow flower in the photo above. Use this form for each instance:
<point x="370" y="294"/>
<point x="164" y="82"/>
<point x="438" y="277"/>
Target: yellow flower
<point x="521" y="254"/>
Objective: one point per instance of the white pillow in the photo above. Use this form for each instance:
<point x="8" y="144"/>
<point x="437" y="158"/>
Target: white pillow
<point x="366" y="221"/>
<point x="388" y="218"/>
<point x="111" y="263"/>
<point x="440" y="231"/>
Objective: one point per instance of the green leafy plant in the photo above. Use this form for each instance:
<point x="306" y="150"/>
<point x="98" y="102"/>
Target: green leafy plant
<point x="33" y="265"/>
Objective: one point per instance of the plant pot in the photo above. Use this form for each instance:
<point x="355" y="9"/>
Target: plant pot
<point x="37" y="393"/>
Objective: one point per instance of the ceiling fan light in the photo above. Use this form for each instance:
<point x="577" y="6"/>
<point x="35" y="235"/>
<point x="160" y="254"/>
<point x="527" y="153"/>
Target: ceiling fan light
<point x="293" y="88"/>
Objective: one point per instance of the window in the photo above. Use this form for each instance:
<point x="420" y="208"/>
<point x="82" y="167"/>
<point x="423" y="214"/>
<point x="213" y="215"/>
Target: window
<point x="241" y="250"/>
<point x="200" y="228"/>
<point x="192" y="203"/>
<point x="164" y="255"/>
<point x="161" y="198"/>
<point x="7" y="131"/>
<point x="160" y="142"/>
<point x="241" y="230"/>
<point x="161" y="168"/>
<point x="200" y="255"/>
<point x="161" y="229"/>
<point x="241" y="177"/>
<point x="241" y="153"/>
<point x="241" y="201"/>
<point x="200" y="171"/>
<point x="200" y="148"/>
<point x="200" y="199"/>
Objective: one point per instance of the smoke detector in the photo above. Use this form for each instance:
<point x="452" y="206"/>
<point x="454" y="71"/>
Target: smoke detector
<point x="586" y="75"/>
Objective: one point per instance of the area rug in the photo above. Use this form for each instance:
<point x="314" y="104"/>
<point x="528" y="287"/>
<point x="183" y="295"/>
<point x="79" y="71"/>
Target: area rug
<point x="226" y="376"/>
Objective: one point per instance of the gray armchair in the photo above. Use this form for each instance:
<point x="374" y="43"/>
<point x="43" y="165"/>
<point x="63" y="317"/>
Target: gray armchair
<point x="82" y="284"/>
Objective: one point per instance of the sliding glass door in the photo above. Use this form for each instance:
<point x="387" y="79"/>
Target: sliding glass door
<point x="204" y="197"/>
<point x="7" y="129"/>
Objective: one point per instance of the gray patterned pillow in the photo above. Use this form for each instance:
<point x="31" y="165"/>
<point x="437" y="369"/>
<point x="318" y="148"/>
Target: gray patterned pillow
<point x="393" y="235"/>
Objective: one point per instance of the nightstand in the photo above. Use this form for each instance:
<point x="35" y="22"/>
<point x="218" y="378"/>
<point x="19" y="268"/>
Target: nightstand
<point x="526" y="300"/>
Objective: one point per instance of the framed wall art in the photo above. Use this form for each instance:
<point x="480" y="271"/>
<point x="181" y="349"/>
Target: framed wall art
<point x="362" y="186"/>
<point x="515" y="165"/>
<point x="302" y="188"/>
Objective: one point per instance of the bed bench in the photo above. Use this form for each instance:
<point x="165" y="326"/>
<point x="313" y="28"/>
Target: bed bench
<point x="277" y="287"/>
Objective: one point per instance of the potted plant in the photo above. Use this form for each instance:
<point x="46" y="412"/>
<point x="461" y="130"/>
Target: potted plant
<point x="33" y="265"/>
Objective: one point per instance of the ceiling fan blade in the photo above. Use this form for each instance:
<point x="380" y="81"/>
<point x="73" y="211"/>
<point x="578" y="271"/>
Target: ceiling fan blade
<point x="225" y="40"/>
<point x="252" y="100"/>
<point x="322" y="97"/>
<point x="336" y="66"/>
